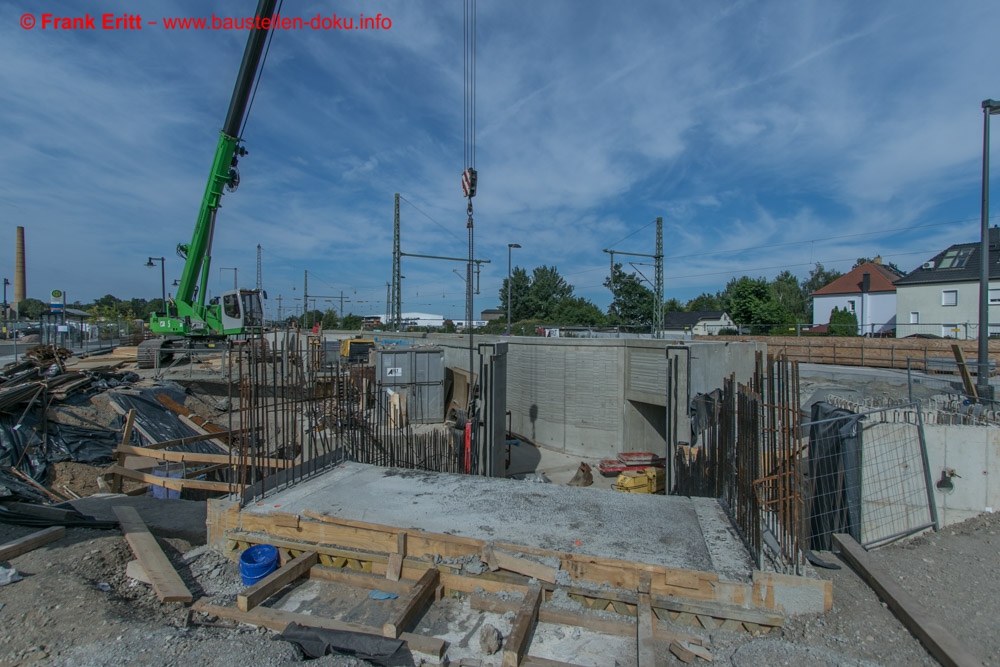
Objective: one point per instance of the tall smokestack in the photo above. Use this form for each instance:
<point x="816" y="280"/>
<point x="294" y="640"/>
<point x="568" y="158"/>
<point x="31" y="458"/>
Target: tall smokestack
<point x="20" y="286"/>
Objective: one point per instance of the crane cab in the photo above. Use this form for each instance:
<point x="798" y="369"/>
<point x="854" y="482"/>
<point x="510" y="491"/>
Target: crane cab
<point x="241" y="311"/>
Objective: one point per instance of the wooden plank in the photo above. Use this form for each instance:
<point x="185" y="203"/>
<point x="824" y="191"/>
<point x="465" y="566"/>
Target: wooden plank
<point x="939" y="641"/>
<point x="201" y="437"/>
<point x="166" y="582"/>
<point x="524" y="624"/>
<point x="534" y="661"/>
<point x="963" y="369"/>
<point x="116" y="482"/>
<point x="275" y="581"/>
<point x="682" y="652"/>
<point x="278" y="620"/>
<point x="410" y="604"/>
<point x="716" y="610"/>
<point x="43" y="511"/>
<point x="174" y="483"/>
<point x="529" y="568"/>
<point x="645" y="627"/>
<point x="360" y="579"/>
<point x="32" y="541"/>
<point x="135" y="570"/>
<point x="395" y="565"/>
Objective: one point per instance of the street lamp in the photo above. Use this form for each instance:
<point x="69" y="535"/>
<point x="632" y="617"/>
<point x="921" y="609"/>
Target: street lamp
<point x="235" y="272"/>
<point x="990" y="108"/>
<point x="510" y="246"/>
<point x="163" y="278"/>
<point x="5" y="283"/>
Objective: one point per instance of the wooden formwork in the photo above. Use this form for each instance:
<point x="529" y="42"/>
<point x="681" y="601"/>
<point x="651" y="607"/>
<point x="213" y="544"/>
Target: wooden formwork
<point x="922" y="353"/>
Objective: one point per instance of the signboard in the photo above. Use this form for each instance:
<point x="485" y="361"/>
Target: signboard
<point x="57" y="302"/>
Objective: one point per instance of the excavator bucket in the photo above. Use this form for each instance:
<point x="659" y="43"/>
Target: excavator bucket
<point x="583" y="477"/>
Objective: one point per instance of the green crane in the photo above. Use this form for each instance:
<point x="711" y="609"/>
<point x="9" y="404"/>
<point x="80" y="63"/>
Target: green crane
<point x="238" y="311"/>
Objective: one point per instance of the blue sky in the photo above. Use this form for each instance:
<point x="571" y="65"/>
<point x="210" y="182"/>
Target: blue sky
<point x="769" y="135"/>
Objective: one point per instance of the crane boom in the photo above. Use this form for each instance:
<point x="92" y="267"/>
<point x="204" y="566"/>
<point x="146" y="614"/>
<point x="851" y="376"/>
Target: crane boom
<point x="193" y="316"/>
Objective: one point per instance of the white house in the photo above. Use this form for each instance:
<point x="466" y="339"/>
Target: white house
<point x="868" y="291"/>
<point x="941" y="297"/>
<point x="697" y="323"/>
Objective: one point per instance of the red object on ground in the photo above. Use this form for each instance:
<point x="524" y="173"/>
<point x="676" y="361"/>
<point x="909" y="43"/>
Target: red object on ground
<point x="468" y="448"/>
<point x="637" y="458"/>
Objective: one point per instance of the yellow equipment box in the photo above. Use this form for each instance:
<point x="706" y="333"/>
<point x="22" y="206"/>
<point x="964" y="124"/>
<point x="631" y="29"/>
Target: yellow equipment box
<point x="650" y="480"/>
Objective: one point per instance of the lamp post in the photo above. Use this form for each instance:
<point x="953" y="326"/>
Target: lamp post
<point x="5" y="283"/>
<point x="990" y="108"/>
<point x="163" y="278"/>
<point x="510" y="246"/>
<point x="235" y="271"/>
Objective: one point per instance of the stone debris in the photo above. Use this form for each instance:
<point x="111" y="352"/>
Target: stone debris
<point x="490" y="639"/>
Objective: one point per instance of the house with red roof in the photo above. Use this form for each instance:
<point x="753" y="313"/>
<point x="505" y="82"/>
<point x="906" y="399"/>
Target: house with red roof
<point x="868" y="291"/>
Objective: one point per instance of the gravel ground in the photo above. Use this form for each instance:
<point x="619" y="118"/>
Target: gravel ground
<point x="61" y="614"/>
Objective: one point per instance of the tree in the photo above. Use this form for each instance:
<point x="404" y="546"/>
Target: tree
<point x="703" y="301"/>
<point x="632" y="302"/>
<point x="753" y="304"/>
<point x="577" y="311"/>
<point x="310" y="318"/>
<point x="108" y="300"/>
<point x="330" y="320"/>
<point x="786" y="291"/>
<point x="843" y="323"/>
<point x="520" y="284"/>
<point x="448" y="326"/>
<point x="891" y="265"/>
<point x="818" y="278"/>
<point x="672" y="306"/>
<point x="547" y="289"/>
<point x="31" y="309"/>
<point x="352" y="322"/>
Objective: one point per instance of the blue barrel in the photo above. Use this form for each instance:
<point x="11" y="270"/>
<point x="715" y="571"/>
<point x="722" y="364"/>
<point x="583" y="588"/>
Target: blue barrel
<point x="257" y="562"/>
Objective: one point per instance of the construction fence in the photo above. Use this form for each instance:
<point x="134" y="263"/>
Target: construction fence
<point x="789" y="483"/>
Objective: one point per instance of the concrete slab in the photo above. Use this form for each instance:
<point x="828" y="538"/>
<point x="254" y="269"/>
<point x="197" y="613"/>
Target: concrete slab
<point x="659" y="530"/>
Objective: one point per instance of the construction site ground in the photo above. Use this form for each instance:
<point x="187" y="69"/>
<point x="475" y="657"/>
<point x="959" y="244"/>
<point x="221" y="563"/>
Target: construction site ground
<point x="76" y="606"/>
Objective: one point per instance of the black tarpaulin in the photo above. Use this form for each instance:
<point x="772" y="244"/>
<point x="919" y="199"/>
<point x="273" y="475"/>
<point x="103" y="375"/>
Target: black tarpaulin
<point x="317" y="642"/>
<point x="835" y="473"/>
<point x="158" y="421"/>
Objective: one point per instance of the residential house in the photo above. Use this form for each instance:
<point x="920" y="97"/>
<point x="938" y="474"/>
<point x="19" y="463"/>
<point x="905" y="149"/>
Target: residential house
<point x="942" y="296"/>
<point x="868" y="291"/>
<point x="699" y="323"/>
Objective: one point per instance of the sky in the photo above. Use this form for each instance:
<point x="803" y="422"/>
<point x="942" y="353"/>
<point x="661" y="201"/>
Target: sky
<point x="767" y="135"/>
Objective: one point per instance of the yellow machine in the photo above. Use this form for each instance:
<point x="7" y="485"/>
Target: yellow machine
<point x="356" y="349"/>
<point x="650" y="480"/>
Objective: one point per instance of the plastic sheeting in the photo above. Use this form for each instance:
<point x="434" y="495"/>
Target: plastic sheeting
<point x="317" y="642"/>
<point x="835" y="471"/>
<point x="158" y="421"/>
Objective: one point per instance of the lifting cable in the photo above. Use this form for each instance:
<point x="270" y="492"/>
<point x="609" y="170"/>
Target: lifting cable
<point x="469" y="177"/>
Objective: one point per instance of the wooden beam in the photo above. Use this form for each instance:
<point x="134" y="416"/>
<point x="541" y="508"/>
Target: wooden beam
<point x="174" y="483"/>
<point x="683" y="653"/>
<point x="505" y="560"/>
<point x="645" y="626"/>
<point x="166" y="582"/>
<point x="278" y="620"/>
<point x="533" y="661"/>
<point x="360" y="579"/>
<point x="116" y="482"/>
<point x="618" y="626"/>
<point x="32" y="541"/>
<point x="516" y="645"/>
<point x="410" y="604"/>
<point x="922" y="623"/>
<point x="198" y="457"/>
<point x="963" y="369"/>
<point x="395" y="566"/>
<point x="275" y="581"/>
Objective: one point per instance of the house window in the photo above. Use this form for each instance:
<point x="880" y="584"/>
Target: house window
<point x="914" y="317"/>
<point x="994" y="296"/>
<point x="851" y="304"/>
<point x="955" y="259"/>
<point x="949" y="331"/>
<point x="949" y="297"/>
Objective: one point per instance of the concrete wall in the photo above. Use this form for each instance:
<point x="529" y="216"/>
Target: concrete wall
<point x="973" y="452"/>
<point x="876" y="311"/>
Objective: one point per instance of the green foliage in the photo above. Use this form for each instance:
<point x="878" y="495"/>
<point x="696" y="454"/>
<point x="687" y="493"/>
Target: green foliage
<point x="547" y="289"/>
<point x="520" y="285"/>
<point x="891" y="265"/>
<point x="31" y="309"/>
<point x="818" y="278"/>
<point x="672" y="306"/>
<point x="330" y="319"/>
<point x="632" y="302"/>
<point x="310" y="318"/>
<point x="577" y="311"/>
<point x="703" y="301"/>
<point x="448" y="326"/>
<point x="843" y="323"/>
<point x="753" y="303"/>
<point x="786" y="291"/>
<point x="351" y="322"/>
